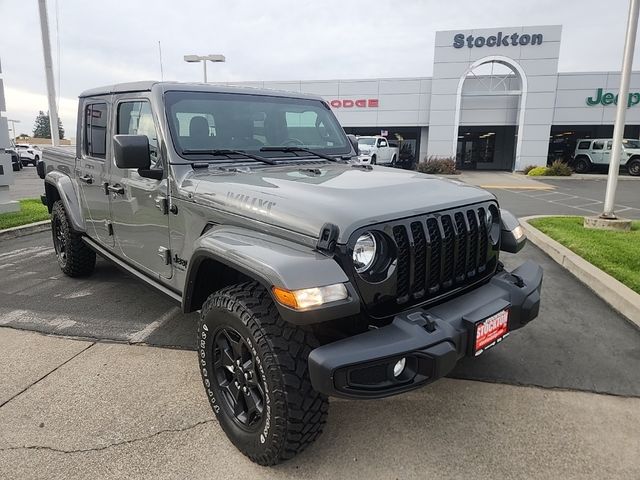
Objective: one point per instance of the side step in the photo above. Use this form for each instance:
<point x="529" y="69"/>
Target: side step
<point x="129" y="269"/>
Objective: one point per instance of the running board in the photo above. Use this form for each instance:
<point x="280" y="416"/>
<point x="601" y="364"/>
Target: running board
<point x="129" y="269"/>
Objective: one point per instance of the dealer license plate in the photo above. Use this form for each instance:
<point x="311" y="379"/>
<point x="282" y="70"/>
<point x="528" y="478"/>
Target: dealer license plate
<point x="491" y="331"/>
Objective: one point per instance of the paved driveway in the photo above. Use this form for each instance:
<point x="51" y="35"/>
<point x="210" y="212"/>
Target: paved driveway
<point x="578" y="342"/>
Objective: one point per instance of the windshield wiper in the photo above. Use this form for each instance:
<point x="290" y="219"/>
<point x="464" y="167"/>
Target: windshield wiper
<point x="227" y="153"/>
<point x="298" y="149"/>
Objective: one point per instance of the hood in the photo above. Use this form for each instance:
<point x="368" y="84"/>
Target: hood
<point x="303" y="201"/>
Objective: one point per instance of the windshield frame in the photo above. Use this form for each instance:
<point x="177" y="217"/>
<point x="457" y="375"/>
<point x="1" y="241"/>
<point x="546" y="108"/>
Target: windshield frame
<point x="341" y="150"/>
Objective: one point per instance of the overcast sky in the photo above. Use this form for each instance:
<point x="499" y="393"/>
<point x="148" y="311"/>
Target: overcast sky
<point x="104" y="42"/>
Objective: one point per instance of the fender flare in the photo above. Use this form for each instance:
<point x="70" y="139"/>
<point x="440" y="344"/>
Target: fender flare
<point x="272" y="261"/>
<point x="67" y="192"/>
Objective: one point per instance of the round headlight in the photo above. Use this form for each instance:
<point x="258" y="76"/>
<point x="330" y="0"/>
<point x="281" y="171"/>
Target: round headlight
<point x="364" y="252"/>
<point x="489" y="218"/>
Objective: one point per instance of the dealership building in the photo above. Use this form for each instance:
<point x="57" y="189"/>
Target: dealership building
<point x="496" y="101"/>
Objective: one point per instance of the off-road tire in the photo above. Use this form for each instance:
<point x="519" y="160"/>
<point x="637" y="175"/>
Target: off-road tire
<point x="78" y="259"/>
<point x="294" y="413"/>
<point x="633" y="167"/>
<point x="582" y="165"/>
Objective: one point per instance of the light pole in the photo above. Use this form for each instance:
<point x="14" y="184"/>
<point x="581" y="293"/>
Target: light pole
<point x="204" y="59"/>
<point x="621" y="110"/>
<point x="48" y="70"/>
<point x="13" y="128"/>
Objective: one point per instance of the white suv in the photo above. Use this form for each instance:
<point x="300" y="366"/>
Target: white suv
<point x="593" y="152"/>
<point x="29" y="154"/>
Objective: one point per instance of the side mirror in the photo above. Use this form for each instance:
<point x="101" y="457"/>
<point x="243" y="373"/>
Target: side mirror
<point x="512" y="236"/>
<point x="131" y="151"/>
<point x="354" y="143"/>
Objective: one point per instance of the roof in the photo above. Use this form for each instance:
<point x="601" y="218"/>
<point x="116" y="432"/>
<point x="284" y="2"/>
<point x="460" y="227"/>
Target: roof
<point x="146" y="86"/>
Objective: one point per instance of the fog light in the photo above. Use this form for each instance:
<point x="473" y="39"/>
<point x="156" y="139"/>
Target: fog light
<point x="398" y="368"/>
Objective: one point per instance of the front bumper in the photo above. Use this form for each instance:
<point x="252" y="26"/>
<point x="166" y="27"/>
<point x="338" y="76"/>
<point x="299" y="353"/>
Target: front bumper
<point x="432" y="340"/>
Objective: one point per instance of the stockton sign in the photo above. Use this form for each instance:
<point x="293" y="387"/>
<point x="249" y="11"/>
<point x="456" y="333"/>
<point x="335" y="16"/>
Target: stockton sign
<point x="607" y="98"/>
<point x="498" y="40"/>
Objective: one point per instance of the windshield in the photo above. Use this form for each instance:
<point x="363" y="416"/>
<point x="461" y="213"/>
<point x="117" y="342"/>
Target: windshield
<point x="228" y="121"/>
<point x="366" y="141"/>
<point x="631" y="143"/>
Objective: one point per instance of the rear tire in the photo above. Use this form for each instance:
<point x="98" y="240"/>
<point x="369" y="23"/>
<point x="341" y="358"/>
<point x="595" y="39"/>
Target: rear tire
<point x="393" y="161"/>
<point x="582" y="165"/>
<point x="75" y="258"/>
<point x="633" y="167"/>
<point x="254" y="369"/>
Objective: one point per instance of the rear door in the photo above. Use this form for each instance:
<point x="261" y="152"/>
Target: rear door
<point x="139" y="206"/>
<point x="597" y="151"/>
<point x="92" y="169"/>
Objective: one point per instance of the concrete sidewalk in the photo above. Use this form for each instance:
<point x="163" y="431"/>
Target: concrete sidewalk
<point x="77" y="409"/>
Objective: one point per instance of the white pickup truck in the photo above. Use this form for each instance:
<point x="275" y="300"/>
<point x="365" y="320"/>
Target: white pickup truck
<point x="376" y="150"/>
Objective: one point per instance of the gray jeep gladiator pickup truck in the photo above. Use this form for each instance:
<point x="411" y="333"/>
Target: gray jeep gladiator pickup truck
<point x="315" y="276"/>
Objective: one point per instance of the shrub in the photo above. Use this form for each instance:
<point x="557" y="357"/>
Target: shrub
<point x="559" y="169"/>
<point x="438" y="166"/>
<point x="528" y="168"/>
<point x="537" y="172"/>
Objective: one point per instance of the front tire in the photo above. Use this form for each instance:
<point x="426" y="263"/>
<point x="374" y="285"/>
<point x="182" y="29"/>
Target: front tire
<point x="373" y="160"/>
<point x="254" y="369"/>
<point x="75" y="258"/>
<point x="633" y="167"/>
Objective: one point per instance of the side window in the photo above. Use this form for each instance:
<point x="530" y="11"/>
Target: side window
<point x="584" y="145"/>
<point x="383" y="143"/>
<point x="598" y="145"/>
<point x="95" y="130"/>
<point x="136" y="118"/>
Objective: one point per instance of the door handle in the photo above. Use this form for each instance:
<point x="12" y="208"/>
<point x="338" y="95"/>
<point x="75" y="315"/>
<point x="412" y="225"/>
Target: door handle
<point x="117" y="188"/>
<point x="86" y="179"/>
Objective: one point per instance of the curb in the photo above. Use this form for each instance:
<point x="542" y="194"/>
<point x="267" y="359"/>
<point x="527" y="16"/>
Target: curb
<point x="617" y="295"/>
<point x="25" y="229"/>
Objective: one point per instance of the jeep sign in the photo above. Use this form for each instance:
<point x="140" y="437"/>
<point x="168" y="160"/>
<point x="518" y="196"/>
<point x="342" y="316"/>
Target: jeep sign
<point x="497" y="40"/>
<point x="608" y="98"/>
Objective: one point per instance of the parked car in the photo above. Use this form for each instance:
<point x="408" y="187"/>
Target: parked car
<point x="596" y="152"/>
<point x="16" y="164"/>
<point x="376" y="150"/>
<point x="29" y="154"/>
<point x="314" y="276"/>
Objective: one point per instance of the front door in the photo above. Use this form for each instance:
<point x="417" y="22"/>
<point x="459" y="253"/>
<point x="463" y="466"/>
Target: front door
<point x="92" y="170"/>
<point x="139" y="206"/>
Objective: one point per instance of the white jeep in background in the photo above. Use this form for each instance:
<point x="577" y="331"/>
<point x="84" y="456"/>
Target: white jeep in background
<point x="596" y="152"/>
<point x="376" y="150"/>
<point x="29" y="154"/>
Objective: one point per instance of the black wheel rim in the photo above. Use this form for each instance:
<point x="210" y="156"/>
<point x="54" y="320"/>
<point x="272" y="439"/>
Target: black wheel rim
<point x="241" y="388"/>
<point x="59" y="242"/>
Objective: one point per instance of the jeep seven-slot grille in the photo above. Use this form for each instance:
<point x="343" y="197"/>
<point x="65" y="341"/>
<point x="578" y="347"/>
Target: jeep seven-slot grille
<point x="426" y="257"/>
<point x="440" y="252"/>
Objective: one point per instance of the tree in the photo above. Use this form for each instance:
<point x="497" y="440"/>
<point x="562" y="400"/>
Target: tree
<point x="42" y="127"/>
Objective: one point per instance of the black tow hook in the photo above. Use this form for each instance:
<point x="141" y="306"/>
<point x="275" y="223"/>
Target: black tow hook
<point x="423" y="320"/>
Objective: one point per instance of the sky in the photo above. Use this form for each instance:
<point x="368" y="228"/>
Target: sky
<point x="104" y="42"/>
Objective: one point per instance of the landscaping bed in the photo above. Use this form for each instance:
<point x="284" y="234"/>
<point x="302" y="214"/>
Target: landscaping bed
<point x="616" y="253"/>
<point x="31" y="210"/>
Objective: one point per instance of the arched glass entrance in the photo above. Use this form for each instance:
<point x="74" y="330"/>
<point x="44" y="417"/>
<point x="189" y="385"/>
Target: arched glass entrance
<point x="489" y="113"/>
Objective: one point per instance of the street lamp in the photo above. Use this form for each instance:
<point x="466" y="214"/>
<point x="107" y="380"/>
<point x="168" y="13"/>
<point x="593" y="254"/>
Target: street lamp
<point x="203" y="59"/>
<point x="13" y="127"/>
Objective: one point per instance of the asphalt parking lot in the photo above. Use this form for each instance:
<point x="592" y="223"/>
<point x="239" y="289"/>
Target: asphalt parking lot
<point x="538" y="406"/>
